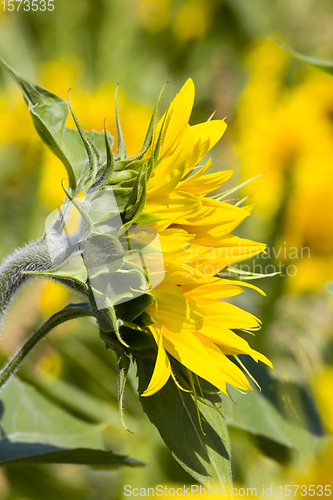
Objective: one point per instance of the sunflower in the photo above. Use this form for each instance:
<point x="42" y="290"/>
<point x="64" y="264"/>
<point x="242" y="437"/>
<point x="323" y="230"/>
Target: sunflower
<point x="164" y="187"/>
<point x="191" y="324"/>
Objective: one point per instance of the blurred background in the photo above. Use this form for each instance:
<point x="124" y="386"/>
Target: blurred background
<point x="279" y="113"/>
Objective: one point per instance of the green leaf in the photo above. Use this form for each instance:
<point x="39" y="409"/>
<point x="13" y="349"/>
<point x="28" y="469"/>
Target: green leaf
<point x="74" y="398"/>
<point x="72" y="269"/>
<point x="321" y="64"/>
<point x="257" y="415"/>
<point x="329" y="288"/>
<point x="49" y="113"/>
<point x="205" y="456"/>
<point x="34" y="430"/>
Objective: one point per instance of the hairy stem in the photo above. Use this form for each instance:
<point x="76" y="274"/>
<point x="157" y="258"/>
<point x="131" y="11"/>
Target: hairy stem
<point x="32" y="257"/>
<point x="70" y="312"/>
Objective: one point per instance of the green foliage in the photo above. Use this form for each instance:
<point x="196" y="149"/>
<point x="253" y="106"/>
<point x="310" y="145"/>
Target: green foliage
<point x="203" y="453"/>
<point x="33" y="430"/>
<point x="321" y="64"/>
<point x="257" y="415"/>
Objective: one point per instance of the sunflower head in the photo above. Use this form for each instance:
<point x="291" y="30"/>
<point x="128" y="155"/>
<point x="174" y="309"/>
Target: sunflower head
<point x="147" y="246"/>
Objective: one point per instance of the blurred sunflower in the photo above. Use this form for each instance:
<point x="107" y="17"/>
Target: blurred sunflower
<point x="294" y="153"/>
<point x="191" y="324"/>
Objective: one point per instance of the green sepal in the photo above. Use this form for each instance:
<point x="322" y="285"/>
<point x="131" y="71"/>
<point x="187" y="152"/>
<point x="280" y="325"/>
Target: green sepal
<point x="80" y="207"/>
<point x="137" y="200"/>
<point x="106" y="171"/>
<point x="101" y="207"/>
<point x="123" y="365"/>
<point x="134" y="337"/>
<point x="121" y="146"/>
<point x="72" y="269"/>
<point x="109" y="153"/>
<point x="122" y="177"/>
<point x="129" y="164"/>
<point x="137" y="306"/>
<point x="91" y="149"/>
<point x="145" y="319"/>
<point x="154" y="160"/>
<point x="107" y="320"/>
<point x="150" y="132"/>
<point x="97" y="250"/>
<point x="138" y="338"/>
<point x="145" y="219"/>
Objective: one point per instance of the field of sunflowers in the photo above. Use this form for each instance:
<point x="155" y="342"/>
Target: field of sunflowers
<point x="166" y="275"/>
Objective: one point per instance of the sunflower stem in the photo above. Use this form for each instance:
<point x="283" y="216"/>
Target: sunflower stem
<point x="70" y="312"/>
<point x="32" y="257"/>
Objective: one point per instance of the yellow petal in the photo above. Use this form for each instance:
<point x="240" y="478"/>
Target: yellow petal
<point x="177" y="117"/>
<point x="173" y="241"/>
<point x="179" y="156"/>
<point x="205" y="136"/>
<point x="191" y="353"/>
<point x="217" y="288"/>
<point x="172" y="208"/>
<point x="231" y="343"/>
<point x="217" y="213"/>
<point x="166" y="184"/>
<point x="228" y="315"/>
<point x="230" y="372"/>
<point x="162" y="370"/>
<point x="231" y="249"/>
<point x="203" y="184"/>
<point x="179" y="274"/>
<point x="211" y="130"/>
<point x="174" y="311"/>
